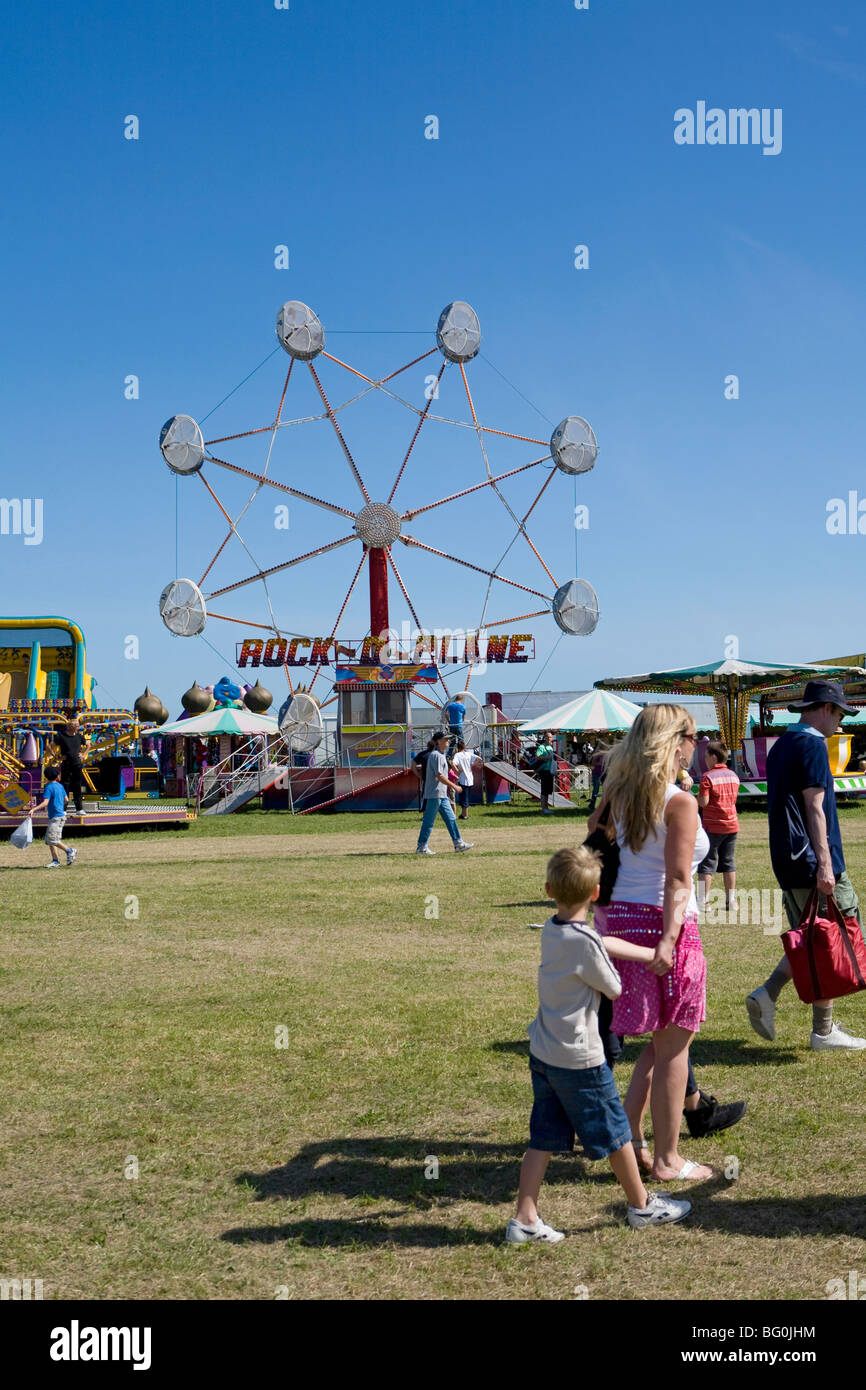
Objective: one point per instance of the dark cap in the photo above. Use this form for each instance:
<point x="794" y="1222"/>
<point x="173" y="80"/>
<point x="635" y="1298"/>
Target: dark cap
<point x="823" y="693"/>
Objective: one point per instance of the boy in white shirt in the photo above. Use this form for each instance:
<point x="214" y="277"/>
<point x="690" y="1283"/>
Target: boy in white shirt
<point x="573" y="1087"/>
<point x="463" y="762"/>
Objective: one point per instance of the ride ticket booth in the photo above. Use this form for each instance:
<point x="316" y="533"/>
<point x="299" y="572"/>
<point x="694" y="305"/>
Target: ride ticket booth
<point x="374" y="736"/>
<point x="374" y="725"/>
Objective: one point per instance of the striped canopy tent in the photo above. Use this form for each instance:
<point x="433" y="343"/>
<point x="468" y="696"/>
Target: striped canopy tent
<point x="596" y="711"/>
<point x="223" y="720"/>
<point x="731" y="682"/>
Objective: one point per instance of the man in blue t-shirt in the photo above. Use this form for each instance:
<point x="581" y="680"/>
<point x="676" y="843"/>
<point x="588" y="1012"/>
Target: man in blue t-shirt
<point x="455" y="713"/>
<point x="806" y="846"/>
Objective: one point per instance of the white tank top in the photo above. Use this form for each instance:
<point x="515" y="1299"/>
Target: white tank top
<point x="641" y="877"/>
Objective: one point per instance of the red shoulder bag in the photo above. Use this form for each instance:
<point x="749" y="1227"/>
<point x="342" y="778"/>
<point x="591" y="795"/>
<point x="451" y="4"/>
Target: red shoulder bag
<point x="827" y="954"/>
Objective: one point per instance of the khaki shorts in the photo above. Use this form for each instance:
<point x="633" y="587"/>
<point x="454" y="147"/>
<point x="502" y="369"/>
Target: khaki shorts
<point x="54" y="833"/>
<point x="795" y="900"/>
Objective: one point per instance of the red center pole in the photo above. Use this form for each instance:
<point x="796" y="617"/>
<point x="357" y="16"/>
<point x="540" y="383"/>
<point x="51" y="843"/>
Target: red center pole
<point x="378" y="563"/>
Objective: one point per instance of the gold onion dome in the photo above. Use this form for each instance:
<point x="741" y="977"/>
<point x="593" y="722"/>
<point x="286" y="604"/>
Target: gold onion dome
<point x="149" y="707"/>
<point x="195" y="700"/>
<point x="257" y="699"/>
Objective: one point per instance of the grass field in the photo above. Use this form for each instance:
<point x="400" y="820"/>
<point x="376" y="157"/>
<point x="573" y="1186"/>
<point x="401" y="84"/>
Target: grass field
<point x="265" y="1019"/>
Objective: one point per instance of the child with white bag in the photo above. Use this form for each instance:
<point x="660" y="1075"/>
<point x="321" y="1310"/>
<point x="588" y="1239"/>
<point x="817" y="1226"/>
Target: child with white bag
<point x="55" y="800"/>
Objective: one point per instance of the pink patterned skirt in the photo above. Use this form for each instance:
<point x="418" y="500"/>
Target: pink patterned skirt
<point x="651" y="1002"/>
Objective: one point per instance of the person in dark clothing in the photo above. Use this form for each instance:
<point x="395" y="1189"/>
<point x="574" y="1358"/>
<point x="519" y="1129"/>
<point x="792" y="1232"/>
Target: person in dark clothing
<point x="419" y="767"/>
<point x="72" y="743"/>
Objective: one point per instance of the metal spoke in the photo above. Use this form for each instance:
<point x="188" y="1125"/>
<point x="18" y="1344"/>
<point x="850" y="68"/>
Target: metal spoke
<point x="521" y="617"/>
<point x="343" y="445"/>
<point x="416" y="511"/>
<point x="414" y="437"/>
<point x="282" y="487"/>
<point x="410" y="540"/>
<point x="413" y="363"/>
<point x="276" y="569"/>
<point x="393" y="563"/>
<point x="354" y="370"/>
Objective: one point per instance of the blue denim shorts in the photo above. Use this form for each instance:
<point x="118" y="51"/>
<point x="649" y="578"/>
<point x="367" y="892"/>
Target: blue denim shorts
<point x="568" y="1102"/>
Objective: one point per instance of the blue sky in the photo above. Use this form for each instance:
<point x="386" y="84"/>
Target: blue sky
<point x="305" y="127"/>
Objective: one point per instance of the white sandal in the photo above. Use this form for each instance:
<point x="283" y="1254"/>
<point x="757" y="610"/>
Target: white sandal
<point x="686" y="1171"/>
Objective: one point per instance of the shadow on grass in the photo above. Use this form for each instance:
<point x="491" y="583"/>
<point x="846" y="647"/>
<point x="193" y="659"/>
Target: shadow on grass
<point x="708" y="1052"/>
<point x="519" y="1048"/>
<point x="824" y="1214"/>
<point x="393" y="1169"/>
<point x="331" y="1234"/>
<point x="530" y="902"/>
<point x="723" y="1052"/>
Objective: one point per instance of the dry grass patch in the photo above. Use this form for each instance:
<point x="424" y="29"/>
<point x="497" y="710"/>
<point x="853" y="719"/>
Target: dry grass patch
<point x="303" y="1165"/>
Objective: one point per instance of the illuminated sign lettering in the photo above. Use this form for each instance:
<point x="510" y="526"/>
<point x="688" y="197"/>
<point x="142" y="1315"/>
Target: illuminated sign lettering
<point x="421" y="649"/>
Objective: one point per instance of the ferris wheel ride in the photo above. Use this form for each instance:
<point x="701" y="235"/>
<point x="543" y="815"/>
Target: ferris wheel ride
<point x="376" y="525"/>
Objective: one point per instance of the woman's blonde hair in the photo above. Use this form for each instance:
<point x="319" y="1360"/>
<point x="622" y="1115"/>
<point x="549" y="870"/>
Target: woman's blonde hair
<point x="640" y="769"/>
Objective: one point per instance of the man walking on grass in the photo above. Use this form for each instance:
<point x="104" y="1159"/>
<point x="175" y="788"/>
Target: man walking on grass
<point x="806" y="846"/>
<point x="437" y="799"/>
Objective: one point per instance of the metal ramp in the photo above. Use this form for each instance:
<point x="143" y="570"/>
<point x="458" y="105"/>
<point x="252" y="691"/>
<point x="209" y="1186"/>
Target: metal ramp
<point x="527" y="783"/>
<point x="225" y="795"/>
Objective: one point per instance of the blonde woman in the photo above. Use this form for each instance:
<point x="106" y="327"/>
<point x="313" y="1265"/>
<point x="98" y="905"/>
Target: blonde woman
<point x="661" y="843"/>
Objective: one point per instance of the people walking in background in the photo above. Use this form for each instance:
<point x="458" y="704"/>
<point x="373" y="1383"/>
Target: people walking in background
<point x="455" y="713"/>
<point x="573" y="1089"/>
<point x="698" y="765"/>
<point x="464" y="760"/>
<point x="545" y="762"/>
<point x="717" y="803"/>
<point x="54" y="801"/>
<point x="437" y="799"/>
<point x="806" y="847"/>
<point x="72" y="743"/>
<point x="596" y="768"/>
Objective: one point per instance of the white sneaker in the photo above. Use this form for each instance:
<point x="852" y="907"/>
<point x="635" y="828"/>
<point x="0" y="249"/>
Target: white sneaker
<point x="836" y="1040"/>
<point x="518" y="1234"/>
<point x="55" y="864"/>
<point x="462" y="845"/>
<point x="71" y="856"/>
<point x="762" y="1011"/>
<point x="659" y="1211"/>
<point x="425" y="850"/>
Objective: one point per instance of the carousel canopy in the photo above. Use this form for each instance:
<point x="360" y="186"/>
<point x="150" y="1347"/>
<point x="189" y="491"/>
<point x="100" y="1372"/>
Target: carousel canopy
<point x="595" y="711"/>
<point x="729" y="681"/>
<point x="220" y="721"/>
<point x="729" y="674"/>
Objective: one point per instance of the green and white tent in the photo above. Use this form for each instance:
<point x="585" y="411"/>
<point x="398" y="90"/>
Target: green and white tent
<point x="598" y="711"/>
<point x="222" y="720"/>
